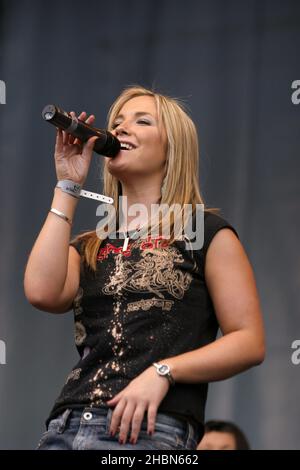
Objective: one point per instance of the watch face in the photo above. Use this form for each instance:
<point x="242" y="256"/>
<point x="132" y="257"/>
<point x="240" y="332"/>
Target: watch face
<point x="163" y="369"/>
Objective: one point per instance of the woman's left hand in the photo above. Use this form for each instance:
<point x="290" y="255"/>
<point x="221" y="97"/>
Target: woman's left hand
<point x="144" y="393"/>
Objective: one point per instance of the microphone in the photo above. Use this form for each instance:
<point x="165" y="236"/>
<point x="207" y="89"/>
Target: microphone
<point x="106" y="144"/>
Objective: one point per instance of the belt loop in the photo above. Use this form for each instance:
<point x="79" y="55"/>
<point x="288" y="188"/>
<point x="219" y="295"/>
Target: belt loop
<point x="193" y="435"/>
<point x="63" y="420"/>
<point x="108" y="420"/>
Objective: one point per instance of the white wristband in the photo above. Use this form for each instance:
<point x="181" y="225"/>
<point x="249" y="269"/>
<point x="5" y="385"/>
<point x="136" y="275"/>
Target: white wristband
<point x="68" y="186"/>
<point x="96" y="196"/>
<point x="75" y="190"/>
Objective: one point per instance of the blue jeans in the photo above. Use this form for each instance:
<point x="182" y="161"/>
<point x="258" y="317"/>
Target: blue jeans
<point x="88" y="429"/>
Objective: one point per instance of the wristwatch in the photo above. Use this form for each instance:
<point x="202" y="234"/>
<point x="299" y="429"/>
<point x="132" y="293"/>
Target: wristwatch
<point x="164" y="371"/>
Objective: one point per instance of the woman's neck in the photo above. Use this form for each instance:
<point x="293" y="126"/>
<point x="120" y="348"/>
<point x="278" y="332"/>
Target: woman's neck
<point x="148" y="198"/>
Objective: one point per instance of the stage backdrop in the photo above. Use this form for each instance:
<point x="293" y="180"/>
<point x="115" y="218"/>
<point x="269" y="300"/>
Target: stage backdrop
<point x="233" y="63"/>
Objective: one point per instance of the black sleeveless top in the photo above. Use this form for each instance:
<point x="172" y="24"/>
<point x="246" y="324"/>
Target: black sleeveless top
<point x="141" y="306"/>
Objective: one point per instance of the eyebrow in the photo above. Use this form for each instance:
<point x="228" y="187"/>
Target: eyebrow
<point x="137" y="114"/>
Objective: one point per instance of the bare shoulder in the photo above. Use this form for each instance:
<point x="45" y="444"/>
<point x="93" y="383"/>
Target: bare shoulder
<point x="225" y="244"/>
<point x="226" y="260"/>
<point x="230" y="280"/>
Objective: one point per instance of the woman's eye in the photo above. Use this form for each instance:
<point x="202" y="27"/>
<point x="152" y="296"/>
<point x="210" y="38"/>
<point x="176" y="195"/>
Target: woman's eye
<point x="140" y="121"/>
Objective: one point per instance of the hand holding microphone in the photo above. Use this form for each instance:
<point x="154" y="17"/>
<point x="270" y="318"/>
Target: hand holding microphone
<point x="106" y="144"/>
<point x="76" y="140"/>
<point x="72" y="160"/>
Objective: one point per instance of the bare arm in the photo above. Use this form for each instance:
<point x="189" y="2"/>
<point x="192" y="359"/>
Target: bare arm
<point x="232" y="287"/>
<point x="52" y="273"/>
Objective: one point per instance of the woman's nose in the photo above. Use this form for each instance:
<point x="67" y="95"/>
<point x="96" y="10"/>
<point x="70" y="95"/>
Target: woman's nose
<point x="120" y="130"/>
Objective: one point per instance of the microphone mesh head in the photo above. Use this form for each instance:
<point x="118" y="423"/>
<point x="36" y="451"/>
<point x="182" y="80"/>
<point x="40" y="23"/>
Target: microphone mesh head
<point x="48" y="112"/>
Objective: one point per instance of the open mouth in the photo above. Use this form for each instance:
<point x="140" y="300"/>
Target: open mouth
<point x="128" y="147"/>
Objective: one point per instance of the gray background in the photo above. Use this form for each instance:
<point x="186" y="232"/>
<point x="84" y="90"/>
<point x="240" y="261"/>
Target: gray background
<point x="233" y="63"/>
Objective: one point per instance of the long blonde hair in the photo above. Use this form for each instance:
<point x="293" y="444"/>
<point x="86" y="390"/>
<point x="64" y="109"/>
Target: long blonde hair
<point x="181" y="181"/>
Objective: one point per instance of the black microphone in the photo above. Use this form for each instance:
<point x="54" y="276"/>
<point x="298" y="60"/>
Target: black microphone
<point x="106" y="144"/>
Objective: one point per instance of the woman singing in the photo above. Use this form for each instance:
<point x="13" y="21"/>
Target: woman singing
<point x="146" y="308"/>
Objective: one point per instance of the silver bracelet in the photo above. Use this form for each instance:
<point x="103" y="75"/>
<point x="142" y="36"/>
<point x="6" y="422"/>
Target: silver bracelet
<point x="61" y="215"/>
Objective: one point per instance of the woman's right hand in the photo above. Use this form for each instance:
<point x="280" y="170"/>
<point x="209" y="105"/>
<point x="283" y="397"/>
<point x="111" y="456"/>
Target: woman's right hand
<point x="73" y="157"/>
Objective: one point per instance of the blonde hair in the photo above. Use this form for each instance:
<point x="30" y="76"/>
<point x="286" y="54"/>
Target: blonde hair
<point x="180" y="185"/>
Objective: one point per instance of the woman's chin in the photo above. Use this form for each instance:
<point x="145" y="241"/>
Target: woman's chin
<point x="121" y="160"/>
<point x="118" y="165"/>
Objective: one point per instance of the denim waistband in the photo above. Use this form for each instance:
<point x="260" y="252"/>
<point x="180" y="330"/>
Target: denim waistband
<point x="92" y="416"/>
<point x="163" y="418"/>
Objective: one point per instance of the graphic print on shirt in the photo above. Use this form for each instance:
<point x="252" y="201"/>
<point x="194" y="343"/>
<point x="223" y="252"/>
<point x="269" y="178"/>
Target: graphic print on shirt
<point x="154" y="272"/>
<point x="80" y="331"/>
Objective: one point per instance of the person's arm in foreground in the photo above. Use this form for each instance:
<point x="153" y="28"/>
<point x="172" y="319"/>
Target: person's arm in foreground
<point x="52" y="272"/>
